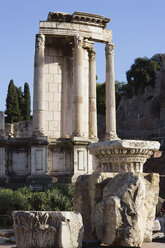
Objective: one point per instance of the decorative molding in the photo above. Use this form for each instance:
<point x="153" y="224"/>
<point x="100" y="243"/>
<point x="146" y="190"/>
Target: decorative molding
<point x="92" y="53"/>
<point x="109" y="49"/>
<point x="78" y="42"/>
<point x="40" y="40"/>
<point x="123" y="155"/>
<point x="79" y="17"/>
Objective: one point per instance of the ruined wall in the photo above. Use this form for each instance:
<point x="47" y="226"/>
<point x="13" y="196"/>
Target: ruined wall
<point x="58" y="84"/>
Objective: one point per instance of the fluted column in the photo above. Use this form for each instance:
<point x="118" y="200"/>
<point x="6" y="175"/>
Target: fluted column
<point x="38" y="95"/>
<point x="110" y="94"/>
<point x="92" y="95"/>
<point x="78" y="92"/>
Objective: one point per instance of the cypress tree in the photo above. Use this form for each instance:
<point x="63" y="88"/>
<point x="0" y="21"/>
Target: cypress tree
<point x="27" y="102"/>
<point x="21" y="103"/>
<point x="12" y="106"/>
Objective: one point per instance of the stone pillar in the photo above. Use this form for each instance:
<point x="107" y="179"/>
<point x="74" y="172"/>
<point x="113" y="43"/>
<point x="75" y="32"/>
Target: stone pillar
<point x="78" y="91"/>
<point x="110" y="94"/>
<point x="38" y="95"/>
<point x="64" y="99"/>
<point x="92" y="95"/>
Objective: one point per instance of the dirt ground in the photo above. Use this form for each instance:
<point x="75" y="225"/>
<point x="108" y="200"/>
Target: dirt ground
<point x="145" y="245"/>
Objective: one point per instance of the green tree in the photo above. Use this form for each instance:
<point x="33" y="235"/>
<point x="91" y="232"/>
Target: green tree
<point x="121" y="89"/>
<point x="27" y="102"/>
<point x="21" y="103"/>
<point x="143" y="72"/>
<point x="100" y="91"/>
<point x="12" y="106"/>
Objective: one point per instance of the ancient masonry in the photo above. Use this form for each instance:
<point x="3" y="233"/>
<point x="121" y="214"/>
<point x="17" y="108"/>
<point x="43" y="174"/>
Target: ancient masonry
<point x="64" y="122"/>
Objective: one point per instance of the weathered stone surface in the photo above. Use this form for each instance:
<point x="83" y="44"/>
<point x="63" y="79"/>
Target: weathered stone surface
<point x="127" y="210"/>
<point x="159" y="206"/>
<point x="118" y="209"/>
<point x="157" y="226"/>
<point x="88" y="193"/>
<point x="143" y="115"/>
<point x="48" y="229"/>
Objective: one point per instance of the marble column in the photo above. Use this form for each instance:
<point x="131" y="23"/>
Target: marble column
<point x="110" y="94"/>
<point x="92" y="95"/>
<point x="38" y="95"/>
<point x="78" y="90"/>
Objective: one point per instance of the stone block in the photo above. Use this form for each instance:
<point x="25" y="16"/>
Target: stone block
<point x="46" y="68"/>
<point x="52" y="106"/>
<point x="54" y="125"/>
<point x="47" y="106"/>
<point x="53" y="68"/>
<point x="49" y="116"/>
<point x="53" y="87"/>
<point x="48" y="229"/>
<point x="121" y="207"/>
<point x="50" y="134"/>
<point x="57" y="134"/>
<point x="48" y="78"/>
<point x="57" y="96"/>
<point x="59" y="87"/>
<point x="57" y="116"/>
<point x="57" y="78"/>
<point x="157" y="226"/>
<point x="46" y="86"/>
<point x="49" y="96"/>
<point x="20" y="162"/>
<point x="57" y="106"/>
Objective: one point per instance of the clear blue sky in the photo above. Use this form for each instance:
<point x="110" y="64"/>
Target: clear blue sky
<point x="138" y="28"/>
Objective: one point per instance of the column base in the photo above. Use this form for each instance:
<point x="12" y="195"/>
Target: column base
<point x="77" y="134"/>
<point x="111" y="136"/>
<point x="38" y="133"/>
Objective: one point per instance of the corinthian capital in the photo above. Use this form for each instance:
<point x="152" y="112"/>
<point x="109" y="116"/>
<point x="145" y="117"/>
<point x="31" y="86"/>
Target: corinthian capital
<point x="40" y="40"/>
<point x="109" y="49"/>
<point x="78" y="41"/>
<point x="92" y="53"/>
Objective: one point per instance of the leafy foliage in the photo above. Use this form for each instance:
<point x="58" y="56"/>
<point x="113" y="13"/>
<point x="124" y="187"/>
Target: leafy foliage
<point x="143" y="72"/>
<point x="59" y="197"/>
<point x="12" y="105"/>
<point x="17" y="103"/>
<point x="21" y="102"/>
<point x="26" y="102"/>
<point x="100" y="92"/>
<point x="121" y="89"/>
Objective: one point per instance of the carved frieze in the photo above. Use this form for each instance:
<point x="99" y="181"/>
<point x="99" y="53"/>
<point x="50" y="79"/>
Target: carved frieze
<point x="48" y="229"/>
<point x="79" y="17"/>
<point x="123" y="155"/>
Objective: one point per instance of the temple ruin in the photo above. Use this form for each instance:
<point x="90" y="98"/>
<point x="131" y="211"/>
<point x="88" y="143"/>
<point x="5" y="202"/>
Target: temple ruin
<point x="64" y="122"/>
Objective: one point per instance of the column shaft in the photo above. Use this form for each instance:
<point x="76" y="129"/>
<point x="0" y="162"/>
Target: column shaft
<point x="110" y="94"/>
<point x="78" y="91"/>
<point x="92" y="95"/>
<point x="38" y="95"/>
